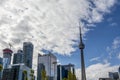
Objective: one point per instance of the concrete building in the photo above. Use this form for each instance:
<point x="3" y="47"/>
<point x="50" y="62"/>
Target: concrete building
<point x="28" y="53"/>
<point x="17" y="72"/>
<point x="49" y="61"/>
<point x="62" y="71"/>
<point x="7" y="53"/>
<point x="18" y="57"/>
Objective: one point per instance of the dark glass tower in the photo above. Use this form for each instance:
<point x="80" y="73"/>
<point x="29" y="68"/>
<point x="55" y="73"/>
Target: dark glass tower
<point x="28" y="54"/>
<point x="81" y="47"/>
<point x="62" y="71"/>
<point x="18" y="57"/>
<point x="40" y="68"/>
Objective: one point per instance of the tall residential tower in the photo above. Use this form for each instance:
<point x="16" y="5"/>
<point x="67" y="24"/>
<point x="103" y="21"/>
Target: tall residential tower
<point x="18" y="57"/>
<point x="27" y="54"/>
<point x="7" y="53"/>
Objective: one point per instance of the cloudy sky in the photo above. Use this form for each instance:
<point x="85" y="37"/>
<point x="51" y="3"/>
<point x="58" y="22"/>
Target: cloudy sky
<point x="52" y="25"/>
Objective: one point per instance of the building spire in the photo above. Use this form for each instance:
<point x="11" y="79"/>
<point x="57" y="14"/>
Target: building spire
<point x="81" y="45"/>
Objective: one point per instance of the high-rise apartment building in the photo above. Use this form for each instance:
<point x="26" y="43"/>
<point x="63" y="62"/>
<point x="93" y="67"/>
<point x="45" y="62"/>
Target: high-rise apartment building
<point x="7" y="53"/>
<point x="28" y="53"/>
<point x="50" y="63"/>
<point x="18" y="57"/>
<point x="62" y="71"/>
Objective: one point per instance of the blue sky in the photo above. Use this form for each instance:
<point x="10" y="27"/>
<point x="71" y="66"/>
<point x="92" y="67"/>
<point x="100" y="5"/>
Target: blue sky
<point x="52" y="25"/>
<point x="97" y="40"/>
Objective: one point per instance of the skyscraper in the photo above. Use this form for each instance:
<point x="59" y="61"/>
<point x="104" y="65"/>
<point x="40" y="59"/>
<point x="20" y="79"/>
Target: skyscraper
<point x="28" y="53"/>
<point x="81" y="47"/>
<point x="18" y="57"/>
<point x="48" y="61"/>
<point x="7" y="53"/>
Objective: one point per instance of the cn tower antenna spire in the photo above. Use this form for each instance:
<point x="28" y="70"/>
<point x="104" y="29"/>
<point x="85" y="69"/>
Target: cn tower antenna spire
<point x="80" y="33"/>
<point x="81" y="47"/>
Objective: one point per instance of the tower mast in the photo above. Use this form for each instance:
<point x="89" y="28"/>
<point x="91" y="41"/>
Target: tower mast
<point x="81" y="47"/>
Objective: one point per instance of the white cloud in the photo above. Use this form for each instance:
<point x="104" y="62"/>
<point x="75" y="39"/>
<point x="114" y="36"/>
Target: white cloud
<point x="96" y="71"/>
<point x="119" y="56"/>
<point x="95" y="59"/>
<point x="116" y="43"/>
<point x="48" y="24"/>
<point x="113" y="24"/>
<point x="113" y="50"/>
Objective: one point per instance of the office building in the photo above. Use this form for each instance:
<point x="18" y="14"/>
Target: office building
<point x="40" y="68"/>
<point x="50" y="63"/>
<point x="7" y="53"/>
<point x="8" y="74"/>
<point x="28" y="53"/>
<point x="62" y="71"/>
<point x="113" y="75"/>
<point x="18" y="57"/>
<point x="17" y="72"/>
<point x="1" y="60"/>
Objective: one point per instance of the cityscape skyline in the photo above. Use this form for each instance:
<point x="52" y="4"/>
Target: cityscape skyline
<point x="52" y="26"/>
<point x="46" y="62"/>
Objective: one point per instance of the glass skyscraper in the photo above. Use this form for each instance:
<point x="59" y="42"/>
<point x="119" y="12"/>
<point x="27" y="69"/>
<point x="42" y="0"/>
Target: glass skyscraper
<point x="40" y="68"/>
<point x="62" y="71"/>
<point x="50" y="63"/>
<point x="18" y="57"/>
<point x="28" y="54"/>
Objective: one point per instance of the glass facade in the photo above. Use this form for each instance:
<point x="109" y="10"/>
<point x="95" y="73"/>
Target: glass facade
<point x="28" y="53"/>
<point x="18" y="57"/>
<point x="40" y="68"/>
<point x="51" y="69"/>
<point x="62" y="71"/>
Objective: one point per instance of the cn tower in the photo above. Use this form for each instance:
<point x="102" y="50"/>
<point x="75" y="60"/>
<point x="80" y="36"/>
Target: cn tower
<point x="81" y="47"/>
